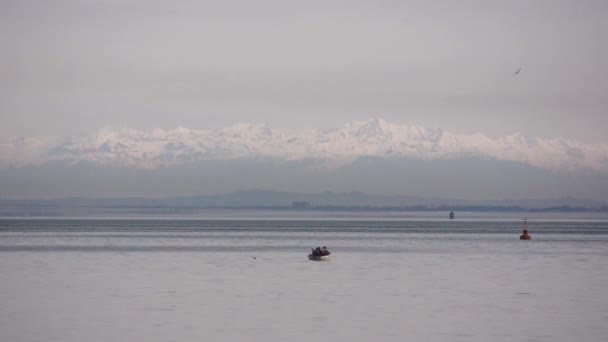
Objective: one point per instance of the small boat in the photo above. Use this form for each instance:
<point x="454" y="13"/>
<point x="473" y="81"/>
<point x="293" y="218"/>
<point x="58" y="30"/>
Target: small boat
<point x="319" y="254"/>
<point x="525" y="235"/>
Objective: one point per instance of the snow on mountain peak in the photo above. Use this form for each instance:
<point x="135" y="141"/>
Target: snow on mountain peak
<point x="251" y="131"/>
<point x="374" y="137"/>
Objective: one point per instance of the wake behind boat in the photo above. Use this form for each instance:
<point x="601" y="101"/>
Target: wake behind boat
<point x="319" y="254"/>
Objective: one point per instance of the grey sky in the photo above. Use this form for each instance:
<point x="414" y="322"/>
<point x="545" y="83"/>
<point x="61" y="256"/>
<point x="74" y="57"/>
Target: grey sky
<point x="69" y="67"/>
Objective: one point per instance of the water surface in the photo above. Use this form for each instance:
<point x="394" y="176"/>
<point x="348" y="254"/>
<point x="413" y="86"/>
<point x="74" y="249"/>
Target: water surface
<point x="249" y="280"/>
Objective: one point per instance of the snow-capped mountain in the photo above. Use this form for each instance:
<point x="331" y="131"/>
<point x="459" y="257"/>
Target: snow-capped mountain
<point x="376" y="137"/>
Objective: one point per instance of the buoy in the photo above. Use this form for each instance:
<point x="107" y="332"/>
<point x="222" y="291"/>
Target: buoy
<point x="525" y="235"/>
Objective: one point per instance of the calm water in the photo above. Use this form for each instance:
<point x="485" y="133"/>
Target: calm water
<point x="249" y="280"/>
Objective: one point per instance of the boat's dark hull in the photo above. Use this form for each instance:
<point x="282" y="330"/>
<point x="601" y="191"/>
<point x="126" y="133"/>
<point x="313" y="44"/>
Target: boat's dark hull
<point x="318" y="257"/>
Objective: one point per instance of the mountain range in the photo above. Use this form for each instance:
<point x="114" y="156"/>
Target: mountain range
<point x="370" y="138"/>
<point x="372" y="156"/>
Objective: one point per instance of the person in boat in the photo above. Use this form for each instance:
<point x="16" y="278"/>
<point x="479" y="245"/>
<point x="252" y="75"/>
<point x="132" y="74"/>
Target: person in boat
<point x="319" y="252"/>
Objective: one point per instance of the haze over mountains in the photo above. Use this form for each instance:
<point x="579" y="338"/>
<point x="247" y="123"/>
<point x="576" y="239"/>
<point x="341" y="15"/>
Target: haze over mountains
<point x="374" y="156"/>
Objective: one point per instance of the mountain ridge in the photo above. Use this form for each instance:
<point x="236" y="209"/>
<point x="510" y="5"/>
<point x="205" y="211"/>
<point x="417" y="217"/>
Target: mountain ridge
<point x="374" y="137"/>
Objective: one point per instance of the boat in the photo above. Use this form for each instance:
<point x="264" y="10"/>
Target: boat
<point x="319" y="254"/>
<point x="525" y="235"/>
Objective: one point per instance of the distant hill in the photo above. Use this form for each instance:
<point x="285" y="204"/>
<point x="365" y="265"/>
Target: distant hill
<point x="277" y="200"/>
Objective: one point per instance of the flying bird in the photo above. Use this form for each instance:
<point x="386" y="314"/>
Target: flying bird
<point x="517" y="71"/>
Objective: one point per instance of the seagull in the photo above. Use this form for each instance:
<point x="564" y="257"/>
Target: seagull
<point x="517" y="71"/>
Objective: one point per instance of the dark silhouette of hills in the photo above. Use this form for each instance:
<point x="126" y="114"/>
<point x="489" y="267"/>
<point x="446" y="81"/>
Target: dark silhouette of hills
<point x="276" y="200"/>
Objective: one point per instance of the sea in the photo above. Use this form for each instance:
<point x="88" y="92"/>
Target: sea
<point x="240" y="276"/>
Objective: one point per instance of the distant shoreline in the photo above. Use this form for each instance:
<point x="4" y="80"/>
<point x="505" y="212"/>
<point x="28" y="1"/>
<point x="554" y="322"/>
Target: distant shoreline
<point x="39" y="210"/>
<point x="283" y="203"/>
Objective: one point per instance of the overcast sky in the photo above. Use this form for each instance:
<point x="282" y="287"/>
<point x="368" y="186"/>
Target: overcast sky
<point x="69" y="67"/>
